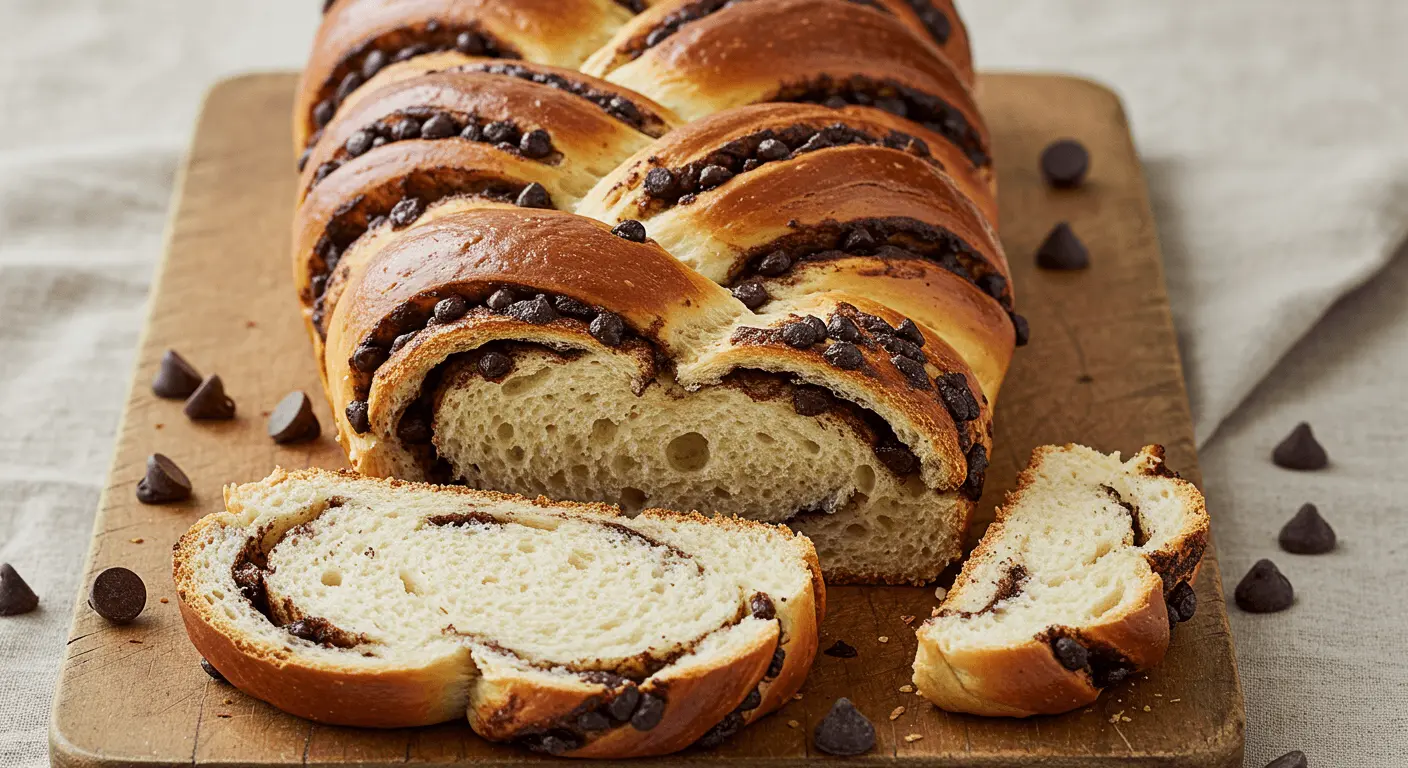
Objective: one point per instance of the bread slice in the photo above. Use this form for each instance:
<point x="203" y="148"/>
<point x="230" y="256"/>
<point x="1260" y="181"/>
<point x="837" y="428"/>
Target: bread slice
<point x="1066" y="593"/>
<point x="562" y="627"/>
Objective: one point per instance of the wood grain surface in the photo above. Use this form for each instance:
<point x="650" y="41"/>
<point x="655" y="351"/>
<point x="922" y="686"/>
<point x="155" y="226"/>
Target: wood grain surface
<point x="1102" y="369"/>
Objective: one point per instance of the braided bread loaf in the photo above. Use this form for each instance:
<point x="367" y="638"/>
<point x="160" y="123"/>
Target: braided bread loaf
<point x="706" y="254"/>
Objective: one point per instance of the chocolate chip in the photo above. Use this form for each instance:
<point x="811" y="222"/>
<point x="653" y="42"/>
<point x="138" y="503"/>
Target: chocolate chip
<point x="1264" y="589"/>
<point x="1106" y="676"/>
<point x="1064" y="163"/>
<point x="209" y="401"/>
<point x="501" y="299"/>
<point x="367" y="357"/>
<point x="630" y="229"/>
<point x="374" y="63"/>
<point x="622" y="108"/>
<point x="1293" y="759"/>
<point x="818" y="327"/>
<point x="175" y="378"/>
<point x="322" y="114"/>
<point x="494" y="365"/>
<point x="977" y="472"/>
<point x="859" y="240"/>
<point x="534" y="195"/>
<point x="1182" y="603"/>
<point x="721" y="732"/>
<point x="410" y="52"/>
<point x="608" y="328"/>
<point x="1023" y="333"/>
<point x="356" y="412"/>
<point x="713" y="175"/>
<point x="992" y="284"/>
<point x="439" y="126"/>
<point x="573" y="308"/>
<point x="844" y="355"/>
<point x="841" y="650"/>
<point x="844" y="731"/>
<point x="414" y="429"/>
<point x="212" y="671"/>
<point x="753" y="295"/>
<point x="593" y="721"/>
<point x="835" y="101"/>
<point x="1062" y="250"/>
<point x="810" y="401"/>
<point x="501" y="130"/>
<point x="913" y="372"/>
<point x="163" y="482"/>
<point x="469" y="43"/>
<point x="910" y="332"/>
<point x="649" y="713"/>
<point x="293" y="420"/>
<point x="350" y="83"/>
<point x="897" y="458"/>
<point x="779" y="658"/>
<point x="1307" y="533"/>
<point x="761" y="606"/>
<point x="659" y="182"/>
<point x="535" y="144"/>
<point x="359" y="143"/>
<point x="957" y="397"/>
<point x="774" y="264"/>
<point x="801" y="334"/>
<point x="896" y="345"/>
<point x="324" y="170"/>
<point x="404" y="213"/>
<point x="940" y="28"/>
<point x="1300" y="450"/>
<point x="15" y="595"/>
<point x="1070" y="653"/>
<point x="875" y="325"/>
<point x="303" y="158"/>
<point x="450" y="309"/>
<point x="401" y="341"/>
<point x="624" y="705"/>
<point x="117" y="595"/>
<point x="537" y="310"/>
<point x="472" y="131"/>
<point x="556" y="743"/>
<point x="771" y="149"/>
<point x="405" y="129"/>
<point x="752" y="701"/>
<point x="842" y="328"/>
<point x="376" y="222"/>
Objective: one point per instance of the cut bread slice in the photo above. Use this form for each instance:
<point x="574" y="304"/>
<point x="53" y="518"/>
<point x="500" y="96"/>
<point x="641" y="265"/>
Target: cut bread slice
<point x="1074" y="586"/>
<point x="563" y="627"/>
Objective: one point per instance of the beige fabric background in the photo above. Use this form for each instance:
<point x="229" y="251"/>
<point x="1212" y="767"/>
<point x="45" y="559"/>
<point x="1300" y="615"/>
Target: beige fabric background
<point x="1275" y="133"/>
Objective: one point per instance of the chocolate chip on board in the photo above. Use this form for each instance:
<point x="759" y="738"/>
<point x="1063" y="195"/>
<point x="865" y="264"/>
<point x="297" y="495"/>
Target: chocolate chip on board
<point x="15" y="595"/>
<point x="1070" y="653"/>
<point x="841" y="650"/>
<point x="175" y="378"/>
<point x="1307" y="533"/>
<point x="1182" y="603"/>
<point x="1023" y="330"/>
<point x="1062" y="250"/>
<point x="164" y="482"/>
<point x="293" y="420"/>
<point x="209" y="401"/>
<point x="844" y="731"/>
<point x="1264" y="589"/>
<point x="117" y="595"/>
<point x="1064" y="163"/>
<point x="212" y="671"/>
<point x="1292" y="759"/>
<point x="1300" y="450"/>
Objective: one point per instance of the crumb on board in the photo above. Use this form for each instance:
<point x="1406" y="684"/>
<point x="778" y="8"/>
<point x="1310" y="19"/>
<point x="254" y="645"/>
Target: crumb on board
<point x="793" y="724"/>
<point x="796" y="697"/>
<point x="906" y="689"/>
<point x="940" y="593"/>
<point x="226" y="715"/>
<point x="160" y="426"/>
<point x="1160" y="695"/>
<point x="1115" y="718"/>
<point x="135" y="641"/>
<point x="906" y="620"/>
<point x="164" y="601"/>
<point x="883" y="639"/>
<point x="1127" y="719"/>
<point x="137" y="540"/>
<point x="896" y="712"/>
<point x="913" y="737"/>
<point x="1174" y="701"/>
<point x="1147" y="709"/>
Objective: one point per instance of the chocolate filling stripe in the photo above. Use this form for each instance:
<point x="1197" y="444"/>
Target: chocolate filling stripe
<point x="668" y="26"/>
<point x="679" y="185"/>
<point x="616" y="105"/>
<point x="936" y="21"/>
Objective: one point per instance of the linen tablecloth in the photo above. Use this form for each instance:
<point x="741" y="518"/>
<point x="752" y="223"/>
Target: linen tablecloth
<point x="1275" y="135"/>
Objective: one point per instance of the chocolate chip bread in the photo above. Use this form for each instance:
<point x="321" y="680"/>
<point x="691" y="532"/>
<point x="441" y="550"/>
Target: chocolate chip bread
<point x="562" y="627"/>
<point x="1077" y="584"/>
<point x="702" y="255"/>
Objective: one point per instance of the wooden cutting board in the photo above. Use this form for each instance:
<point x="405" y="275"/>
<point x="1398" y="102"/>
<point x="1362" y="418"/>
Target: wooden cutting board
<point x="1102" y="369"/>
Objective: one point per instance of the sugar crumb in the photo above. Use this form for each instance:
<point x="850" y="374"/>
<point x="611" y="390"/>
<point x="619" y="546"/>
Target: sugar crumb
<point x="906" y="689"/>
<point x="913" y="737"/>
<point x="884" y="639"/>
<point x="793" y="724"/>
<point x="896" y="712"/>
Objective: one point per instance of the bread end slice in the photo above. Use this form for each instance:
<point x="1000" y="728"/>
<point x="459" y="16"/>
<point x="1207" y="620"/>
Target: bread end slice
<point x="1069" y="590"/>
<point x="565" y="628"/>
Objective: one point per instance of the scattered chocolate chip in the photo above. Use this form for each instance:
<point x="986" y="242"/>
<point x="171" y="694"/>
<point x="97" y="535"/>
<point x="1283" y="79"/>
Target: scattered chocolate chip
<point x="209" y="401"/>
<point x="801" y="334"/>
<point x="535" y="144"/>
<point x="117" y="595"/>
<point x="405" y="129"/>
<point x="534" y="195"/>
<point x="404" y="213"/>
<point x="293" y="420"/>
<point x="450" y="309"/>
<point x="607" y="328"/>
<point x="808" y="400"/>
<point x="844" y="355"/>
<point x="593" y="721"/>
<point x="842" y="328"/>
<point x="439" y="126"/>
<point x="753" y="295"/>
<point x="322" y="114"/>
<point x="501" y="131"/>
<point x="1264" y="589"/>
<point x="1292" y="759"/>
<point x="356" y="412"/>
<point x="163" y="482"/>
<point x="1300" y="450"/>
<point x="841" y="650"/>
<point x="359" y="143"/>
<point x="779" y="658"/>
<point x="1070" y="653"/>
<point x="774" y="264"/>
<point x="1182" y="603"/>
<point x="957" y="397"/>
<point x="1307" y="533"/>
<point x="910" y="332"/>
<point x="630" y="229"/>
<point x="1064" y="163"/>
<point x="648" y="713"/>
<point x="713" y="175"/>
<point x="659" y="182"/>
<point x="1023" y="331"/>
<point x="897" y="458"/>
<point x="176" y="378"/>
<point x="761" y="606"/>
<point x="913" y="371"/>
<point x="469" y="43"/>
<point x="1062" y="250"/>
<point x="844" y="731"/>
<point x="374" y="63"/>
<point x="501" y="299"/>
<point x="771" y="149"/>
<point x="624" y="705"/>
<point x="367" y="357"/>
<point x="15" y="595"/>
<point x="494" y="365"/>
<point x="212" y="671"/>
<point x="721" y="732"/>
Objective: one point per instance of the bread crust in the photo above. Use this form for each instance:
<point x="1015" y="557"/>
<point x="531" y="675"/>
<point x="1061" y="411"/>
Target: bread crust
<point x="499" y="704"/>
